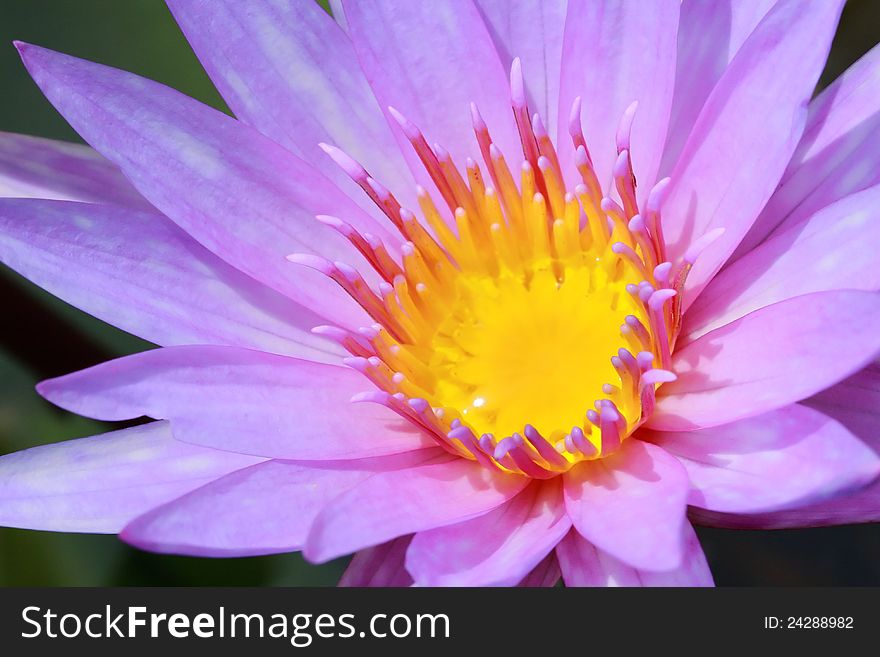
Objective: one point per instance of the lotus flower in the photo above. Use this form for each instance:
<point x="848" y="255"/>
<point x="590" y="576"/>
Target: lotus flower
<point x="486" y="293"/>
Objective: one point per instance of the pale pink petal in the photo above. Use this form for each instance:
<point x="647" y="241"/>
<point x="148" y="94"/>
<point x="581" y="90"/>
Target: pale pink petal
<point x="496" y="549"/>
<point x="861" y="506"/>
<point x="709" y="36"/>
<point x="616" y="52"/>
<point x="141" y="273"/>
<point x="631" y="504"/>
<point x="770" y="358"/>
<point x="99" y="483"/>
<point x="837" y="155"/>
<point x="391" y="504"/>
<point x="244" y="197"/>
<point x="834" y="249"/>
<point x="583" y="564"/>
<point x="855" y="403"/>
<point x="532" y="31"/>
<point x="32" y="167"/>
<point x="430" y="60"/>
<point x="746" y="133"/>
<point x="545" y="575"/>
<point x="381" y="565"/>
<point x="783" y="459"/>
<point x="243" y="401"/>
<point x="290" y="71"/>
<point x="264" y="509"/>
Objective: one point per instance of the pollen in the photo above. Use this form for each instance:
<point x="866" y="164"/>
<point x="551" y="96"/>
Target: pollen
<point x="525" y="324"/>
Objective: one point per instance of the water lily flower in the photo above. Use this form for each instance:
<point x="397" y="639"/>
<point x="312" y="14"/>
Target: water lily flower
<point x="487" y="293"/>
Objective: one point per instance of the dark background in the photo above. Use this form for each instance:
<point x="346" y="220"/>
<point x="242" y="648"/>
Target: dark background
<point x="41" y="337"/>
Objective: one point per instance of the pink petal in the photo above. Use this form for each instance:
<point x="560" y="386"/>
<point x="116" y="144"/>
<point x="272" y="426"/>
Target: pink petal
<point x="242" y="401"/>
<point x="770" y="358"/>
<point x="837" y="155"/>
<point x="583" y="564"/>
<point x="834" y="249"/>
<point x="496" y="549"/>
<point x="616" y="52"/>
<point x="532" y="31"/>
<point x="99" y="483"/>
<point x="272" y="64"/>
<point x="381" y="565"/>
<point x="631" y="504"/>
<point x="709" y="35"/>
<point x="786" y="458"/>
<point x="545" y="575"/>
<point x="855" y="403"/>
<point x="264" y="509"/>
<point x="241" y="195"/>
<point x="31" y="167"/>
<point x="141" y="273"/>
<point x="746" y="133"/>
<point x="430" y="60"/>
<point x="392" y="504"/>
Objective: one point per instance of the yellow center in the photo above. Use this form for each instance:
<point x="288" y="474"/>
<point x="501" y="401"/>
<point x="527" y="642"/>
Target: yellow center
<point x="537" y="350"/>
<point x="511" y="318"/>
<point x="529" y="330"/>
<point x="515" y="321"/>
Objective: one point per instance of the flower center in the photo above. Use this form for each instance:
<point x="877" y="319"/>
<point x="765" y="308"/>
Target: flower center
<point x="528" y="327"/>
<point x="530" y="341"/>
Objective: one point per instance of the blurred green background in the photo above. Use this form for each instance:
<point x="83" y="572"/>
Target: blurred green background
<point x="42" y="337"/>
